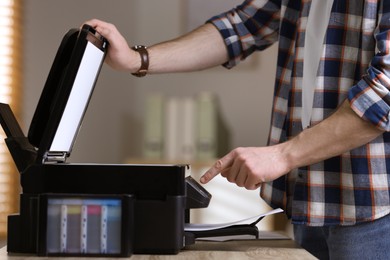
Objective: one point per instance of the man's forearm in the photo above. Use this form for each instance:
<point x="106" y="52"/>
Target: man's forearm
<point x="339" y="133"/>
<point x="203" y="48"/>
<point x="200" y="49"/>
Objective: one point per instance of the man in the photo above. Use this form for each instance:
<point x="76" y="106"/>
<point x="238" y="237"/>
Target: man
<point x="326" y="164"/>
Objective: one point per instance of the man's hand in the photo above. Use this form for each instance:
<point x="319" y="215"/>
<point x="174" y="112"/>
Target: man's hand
<point x="120" y="56"/>
<point x="249" y="167"/>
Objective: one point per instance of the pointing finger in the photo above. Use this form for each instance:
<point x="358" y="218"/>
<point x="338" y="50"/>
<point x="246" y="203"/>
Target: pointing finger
<point x="218" y="167"/>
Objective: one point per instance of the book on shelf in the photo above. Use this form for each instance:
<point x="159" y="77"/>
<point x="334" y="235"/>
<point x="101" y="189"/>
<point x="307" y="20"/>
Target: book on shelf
<point x="184" y="128"/>
<point x="187" y="144"/>
<point x="153" y="126"/>
<point x="171" y="129"/>
<point x="206" y="131"/>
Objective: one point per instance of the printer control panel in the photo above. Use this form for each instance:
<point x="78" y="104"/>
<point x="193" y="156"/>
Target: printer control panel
<point x="197" y="196"/>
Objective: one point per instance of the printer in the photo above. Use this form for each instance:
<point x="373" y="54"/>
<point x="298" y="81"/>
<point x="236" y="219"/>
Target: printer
<point x="85" y="209"/>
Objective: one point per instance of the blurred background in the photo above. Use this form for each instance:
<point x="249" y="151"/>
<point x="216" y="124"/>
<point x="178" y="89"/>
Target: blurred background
<point x="115" y="128"/>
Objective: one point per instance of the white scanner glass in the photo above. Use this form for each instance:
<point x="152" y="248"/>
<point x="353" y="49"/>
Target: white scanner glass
<point x="78" y="99"/>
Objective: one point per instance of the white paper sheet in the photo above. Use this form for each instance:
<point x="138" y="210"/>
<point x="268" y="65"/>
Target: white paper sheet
<point x="205" y="227"/>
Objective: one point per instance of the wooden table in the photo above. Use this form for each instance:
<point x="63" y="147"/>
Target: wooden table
<point x="239" y="249"/>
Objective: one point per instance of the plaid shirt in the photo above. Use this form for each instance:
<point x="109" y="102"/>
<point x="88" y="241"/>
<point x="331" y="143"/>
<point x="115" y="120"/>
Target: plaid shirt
<point x="355" y="65"/>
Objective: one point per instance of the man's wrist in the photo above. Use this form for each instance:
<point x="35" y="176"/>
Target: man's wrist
<point x="287" y="155"/>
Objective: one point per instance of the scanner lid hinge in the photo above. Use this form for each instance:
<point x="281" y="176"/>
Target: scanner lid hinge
<point x="55" y="157"/>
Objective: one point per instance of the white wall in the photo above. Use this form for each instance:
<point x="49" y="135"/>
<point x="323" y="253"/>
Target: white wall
<point x="112" y="128"/>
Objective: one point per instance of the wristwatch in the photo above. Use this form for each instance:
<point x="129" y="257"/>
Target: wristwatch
<point x="143" y="52"/>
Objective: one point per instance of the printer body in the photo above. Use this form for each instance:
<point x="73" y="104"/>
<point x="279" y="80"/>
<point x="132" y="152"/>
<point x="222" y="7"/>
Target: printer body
<point x="150" y="211"/>
<point x="87" y="209"/>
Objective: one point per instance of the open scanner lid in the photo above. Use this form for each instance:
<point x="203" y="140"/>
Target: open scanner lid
<point x="66" y="94"/>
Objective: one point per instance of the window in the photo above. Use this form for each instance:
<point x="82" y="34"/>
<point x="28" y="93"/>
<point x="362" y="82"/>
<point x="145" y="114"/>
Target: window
<point x="10" y="86"/>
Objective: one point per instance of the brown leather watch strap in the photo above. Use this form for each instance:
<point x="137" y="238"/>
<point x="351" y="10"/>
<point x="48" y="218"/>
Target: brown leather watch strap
<point x="143" y="52"/>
